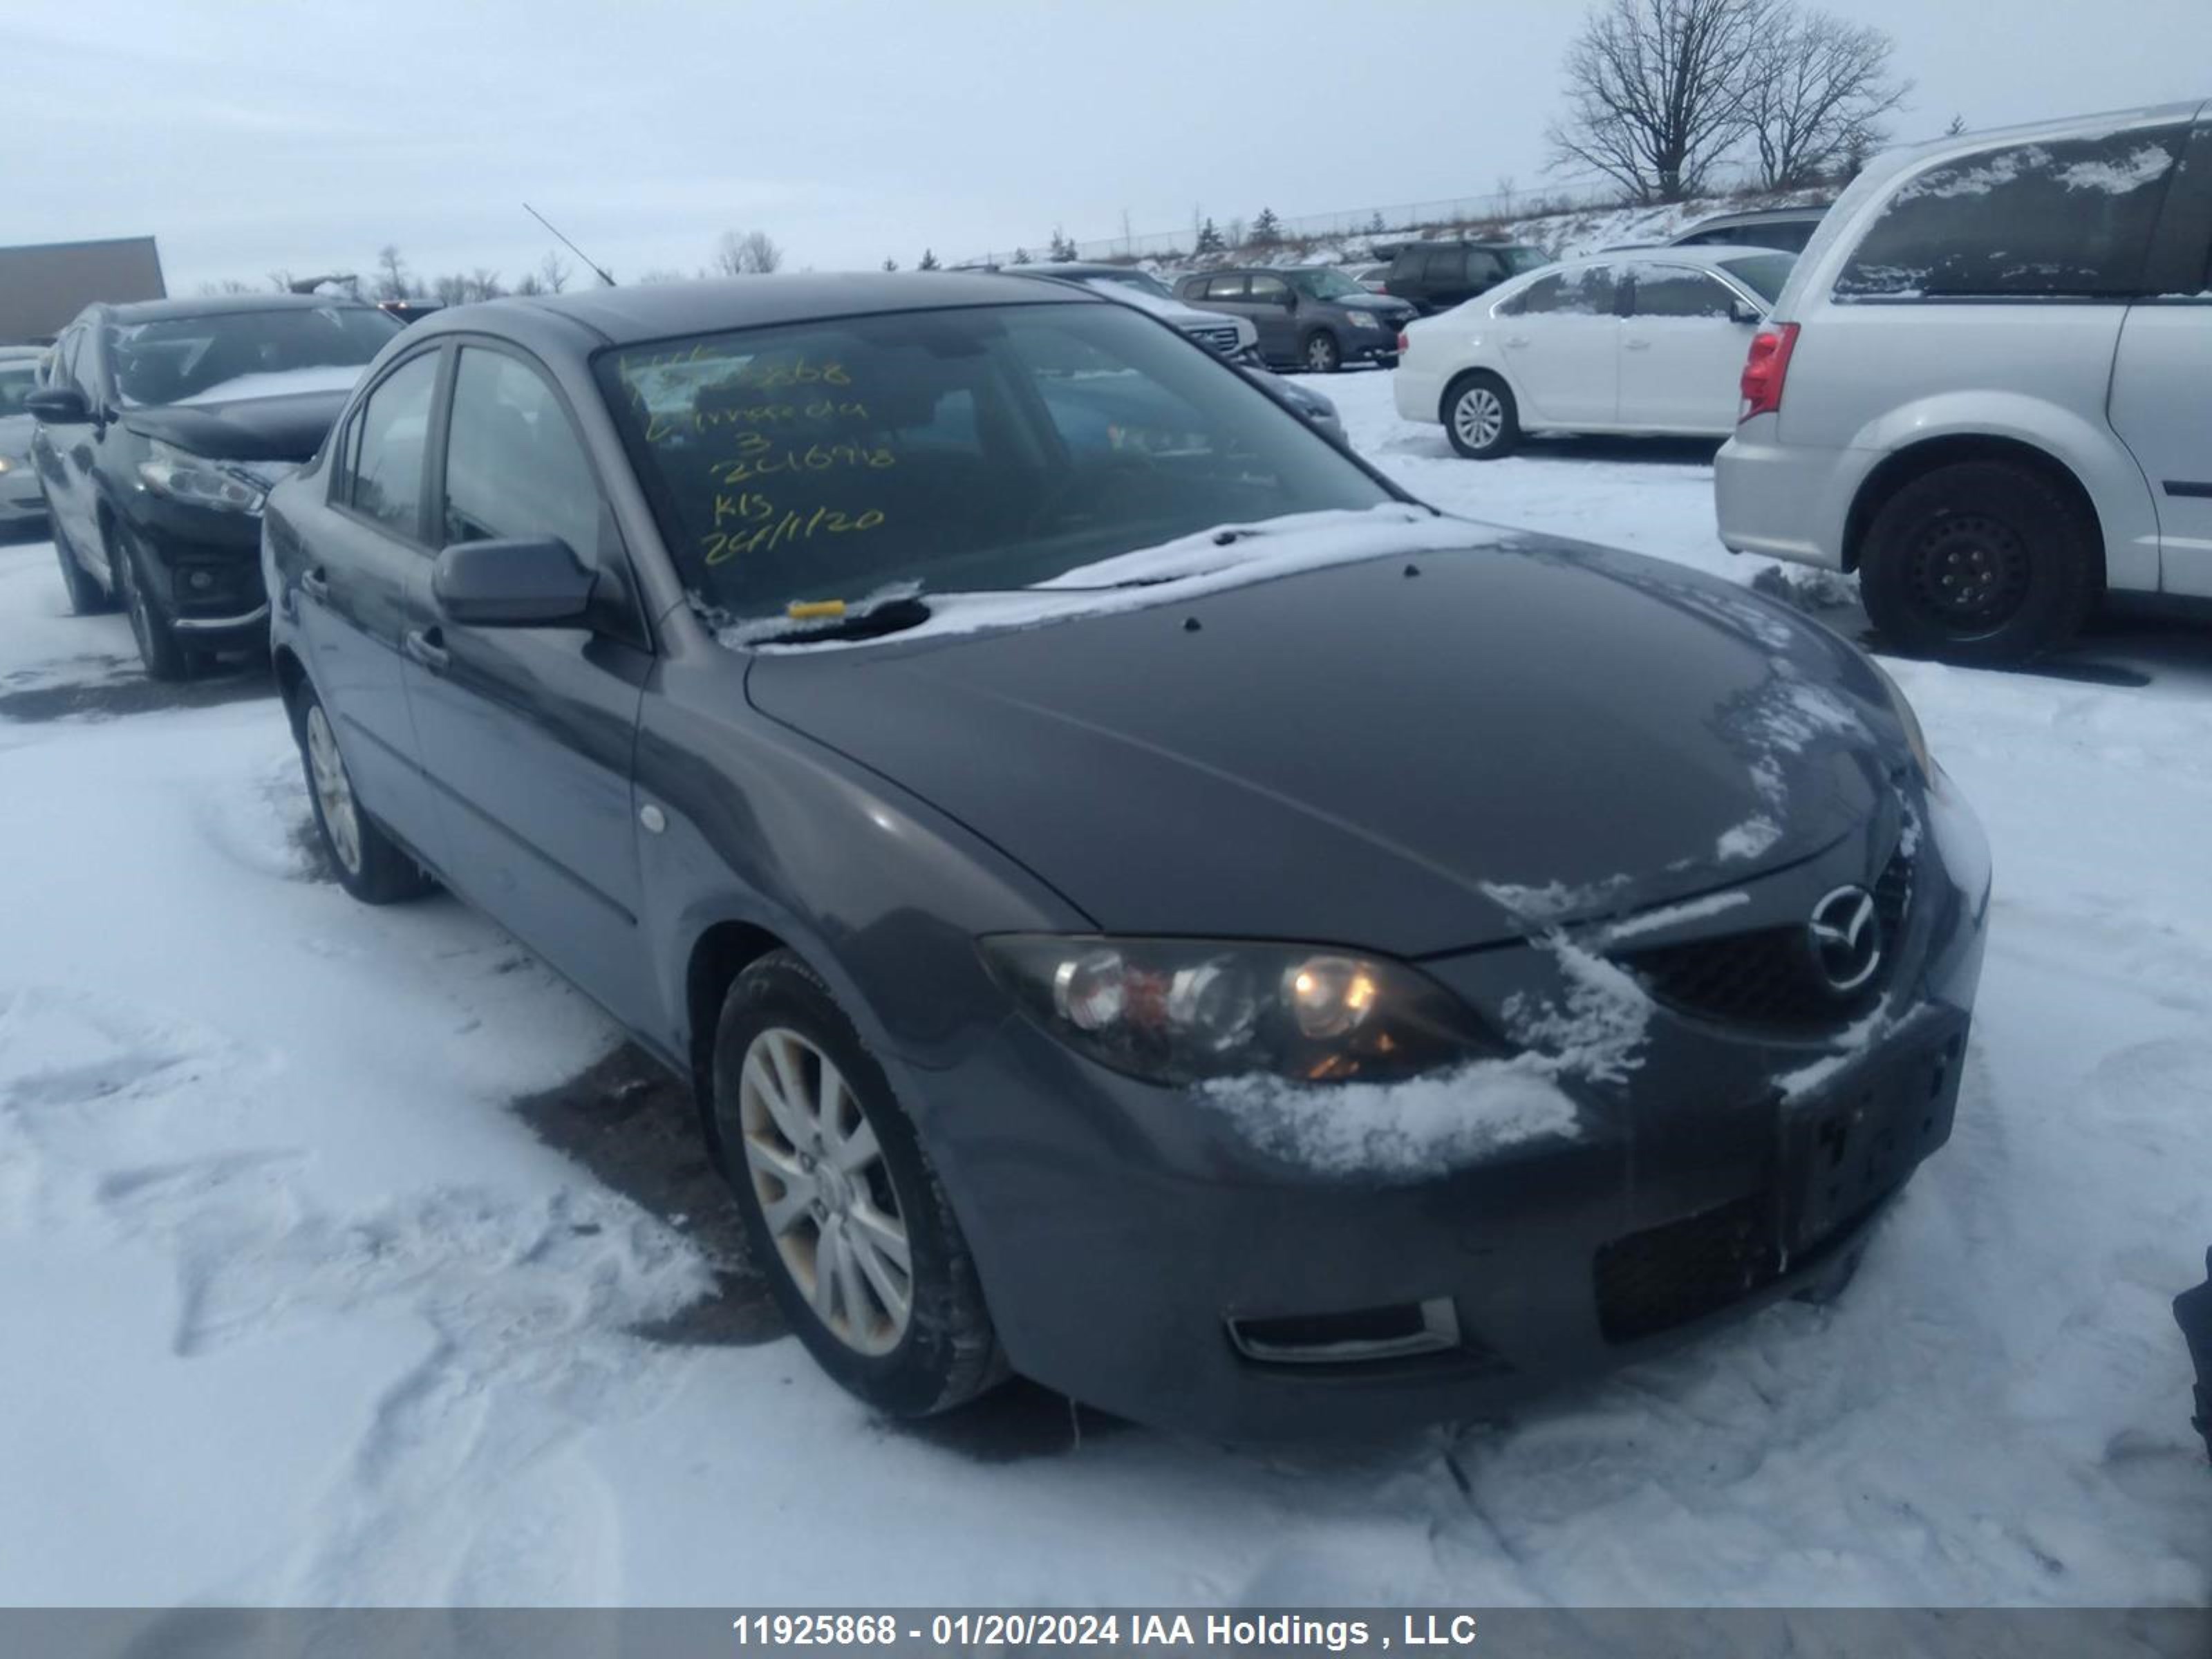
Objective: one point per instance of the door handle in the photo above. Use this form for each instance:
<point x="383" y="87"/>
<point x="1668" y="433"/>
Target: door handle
<point x="1517" y="341"/>
<point x="1639" y="345"/>
<point x="427" y="647"/>
<point x="315" y="587"/>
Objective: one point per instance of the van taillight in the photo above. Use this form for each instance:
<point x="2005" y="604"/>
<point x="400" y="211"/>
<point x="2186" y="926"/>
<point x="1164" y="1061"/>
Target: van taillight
<point x="1404" y="344"/>
<point x="1766" y="369"/>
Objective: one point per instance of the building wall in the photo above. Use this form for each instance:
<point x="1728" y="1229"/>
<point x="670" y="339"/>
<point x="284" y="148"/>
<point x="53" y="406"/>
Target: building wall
<point x="42" y="288"/>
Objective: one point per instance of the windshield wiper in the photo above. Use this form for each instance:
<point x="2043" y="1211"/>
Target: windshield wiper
<point x="891" y="617"/>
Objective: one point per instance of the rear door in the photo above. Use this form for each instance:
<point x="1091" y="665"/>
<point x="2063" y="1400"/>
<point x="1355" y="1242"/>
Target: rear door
<point x="2161" y="402"/>
<point x="63" y="452"/>
<point x="528" y="733"/>
<point x="1681" y="349"/>
<point x="1561" y="343"/>
<point x="363" y="585"/>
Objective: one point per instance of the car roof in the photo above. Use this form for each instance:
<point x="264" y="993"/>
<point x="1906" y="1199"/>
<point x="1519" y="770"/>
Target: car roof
<point x="623" y="316"/>
<point x="155" y="311"/>
<point x="1774" y="216"/>
<point x="1068" y="267"/>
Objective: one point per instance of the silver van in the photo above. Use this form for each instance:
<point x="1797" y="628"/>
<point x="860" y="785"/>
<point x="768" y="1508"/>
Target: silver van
<point x="1987" y="386"/>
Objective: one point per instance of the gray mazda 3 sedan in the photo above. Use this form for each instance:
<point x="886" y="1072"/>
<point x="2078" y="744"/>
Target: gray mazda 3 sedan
<point x="1143" y="903"/>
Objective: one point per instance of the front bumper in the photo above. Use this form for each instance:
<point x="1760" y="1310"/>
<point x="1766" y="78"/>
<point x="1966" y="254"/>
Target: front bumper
<point x="1142" y="1252"/>
<point x="206" y="572"/>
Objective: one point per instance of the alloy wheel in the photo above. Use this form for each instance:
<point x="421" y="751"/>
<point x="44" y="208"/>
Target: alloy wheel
<point x="1478" y="418"/>
<point x="333" y="790"/>
<point x="825" y="1191"/>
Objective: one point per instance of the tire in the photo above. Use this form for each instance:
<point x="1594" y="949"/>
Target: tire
<point x="781" y="1153"/>
<point x="86" y="597"/>
<point x="1481" y="418"/>
<point x="1982" y="561"/>
<point x="1321" y="354"/>
<point x="369" y="863"/>
<point x="150" y="626"/>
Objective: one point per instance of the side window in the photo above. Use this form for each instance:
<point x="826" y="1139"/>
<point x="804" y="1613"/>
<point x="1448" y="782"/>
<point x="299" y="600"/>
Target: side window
<point x="1483" y="269"/>
<point x="513" y="464"/>
<point x="1585" y="293"/>
<point x="1225" y="287"/>
<point x="2072" y="218"/>
<point x="1673" y="291"/>
<point x="389" y="443"/>
<point x="1444" y="266"/>
<point x="1270" y="291"/>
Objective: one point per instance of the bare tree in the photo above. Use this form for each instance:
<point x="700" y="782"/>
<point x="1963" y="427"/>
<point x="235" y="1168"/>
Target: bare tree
<point x="392" y="279"/>
<point x="746" y="253"/>
<point x="1655" y="92"/>
<point x="451" y="289"/>
<point x="280" y="282"/>
<point x="1817" y="90"/>
<point x="1957" y="126"/>
<point x="552" y="274"/>
<point x="228" y="285"/>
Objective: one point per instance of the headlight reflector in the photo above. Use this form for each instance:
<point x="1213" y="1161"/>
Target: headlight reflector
<point x="198" y="482"/>
<point x="1177" y="1010"/>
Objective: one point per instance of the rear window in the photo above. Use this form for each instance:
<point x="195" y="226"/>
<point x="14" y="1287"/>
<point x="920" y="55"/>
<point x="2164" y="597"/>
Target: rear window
<point x="2067" y="219"/>
<point x="984" y="447"/>
<point x="1588" y="292"/>
<point x="1764" y="273"/>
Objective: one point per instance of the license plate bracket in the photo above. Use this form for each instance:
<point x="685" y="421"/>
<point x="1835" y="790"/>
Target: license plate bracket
<point x="1844" y="1150"/>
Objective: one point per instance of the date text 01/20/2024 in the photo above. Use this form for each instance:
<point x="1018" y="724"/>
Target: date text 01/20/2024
<point x="1257" y="1632"/>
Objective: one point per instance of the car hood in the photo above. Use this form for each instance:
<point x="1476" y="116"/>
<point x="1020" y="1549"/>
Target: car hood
<point x="1412" y="754"/>
<point x="247" y="430"/>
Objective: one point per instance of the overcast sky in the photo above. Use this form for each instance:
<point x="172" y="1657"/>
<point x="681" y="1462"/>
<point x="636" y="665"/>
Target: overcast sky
<point x="252" y="137"/>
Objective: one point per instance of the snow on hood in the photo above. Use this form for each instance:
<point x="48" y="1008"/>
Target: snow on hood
<point x="1228" y="556"/>
<point x="281" y="383"/>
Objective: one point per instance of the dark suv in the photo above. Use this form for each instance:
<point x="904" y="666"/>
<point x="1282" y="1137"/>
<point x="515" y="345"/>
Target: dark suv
<point x="1435" y="276"/>
<point x="1312" y="317"/>
<point x="162" y="426"/>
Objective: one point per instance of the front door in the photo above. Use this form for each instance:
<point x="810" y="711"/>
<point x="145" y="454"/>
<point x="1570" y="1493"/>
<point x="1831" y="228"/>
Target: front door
<point x="362" y="585"/>
<point x="1681" y="350"/>
<point x="528" y="733"/>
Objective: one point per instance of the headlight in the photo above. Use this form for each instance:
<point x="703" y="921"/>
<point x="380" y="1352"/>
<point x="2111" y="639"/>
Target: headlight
<point x="1361" y="318"/>
<point x="6" y="465"/>
<point x="1181" y="1010"/>
<point x="1915" y="740"/>
<point x="200" y="481"/>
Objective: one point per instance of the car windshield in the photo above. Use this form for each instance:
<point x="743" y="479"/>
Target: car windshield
<point x="245" y="353"/>
<point x="18" y="380"/>
<point x="983" y="447"/>
<point x="1763" y="273"/>
<point x="1326" y="285"/>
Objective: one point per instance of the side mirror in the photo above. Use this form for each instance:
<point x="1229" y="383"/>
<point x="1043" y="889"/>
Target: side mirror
<point x="1744" y="311"/>
<point x="529" y="582"/>
<point x="63" y="405"/>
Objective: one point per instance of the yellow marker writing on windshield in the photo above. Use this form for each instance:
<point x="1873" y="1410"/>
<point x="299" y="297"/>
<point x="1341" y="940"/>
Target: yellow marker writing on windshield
<point x="808" y="610"/>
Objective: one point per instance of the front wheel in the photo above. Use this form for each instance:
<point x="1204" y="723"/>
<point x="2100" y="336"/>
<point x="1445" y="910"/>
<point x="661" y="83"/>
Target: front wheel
<point x="841" y="1205"/>
<point x="1321" y="353"/>
<point x="1480" y="418"/>
<point x="165" y="657"/>
<point x="1984" y="561"/>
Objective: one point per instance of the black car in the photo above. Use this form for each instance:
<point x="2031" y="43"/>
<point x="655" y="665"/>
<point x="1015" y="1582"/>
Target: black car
<point x="1309" y="317"/>
<point x="1435" y="276"/>
<point x="1142" y="902"/>
<point x="162" y="426"/>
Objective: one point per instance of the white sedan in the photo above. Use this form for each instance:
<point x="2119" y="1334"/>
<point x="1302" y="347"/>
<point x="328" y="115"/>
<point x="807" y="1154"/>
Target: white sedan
<point x="1643" y="342"/>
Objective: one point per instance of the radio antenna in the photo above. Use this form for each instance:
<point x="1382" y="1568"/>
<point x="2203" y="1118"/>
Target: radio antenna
<point x="598" y="270"/>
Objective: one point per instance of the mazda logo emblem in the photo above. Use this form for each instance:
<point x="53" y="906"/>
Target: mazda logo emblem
<point x="1845" y="934"/>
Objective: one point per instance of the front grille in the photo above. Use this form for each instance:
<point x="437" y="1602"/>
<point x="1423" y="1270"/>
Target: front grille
<point x="1766" y="977"/>
<point x="1665" y="1276"/>
<point x="1222" y="339"/>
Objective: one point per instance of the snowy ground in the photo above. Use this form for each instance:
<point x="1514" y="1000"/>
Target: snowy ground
<point x="300" y="1310"/>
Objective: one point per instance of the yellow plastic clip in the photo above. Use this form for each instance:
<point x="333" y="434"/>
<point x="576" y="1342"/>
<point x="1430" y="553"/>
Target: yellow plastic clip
<point x="813" y="610"/>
